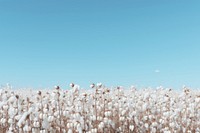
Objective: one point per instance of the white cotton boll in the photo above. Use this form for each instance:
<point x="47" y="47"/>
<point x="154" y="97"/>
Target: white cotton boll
<point x="17" y="117"/>
<point x="77" y="116"/>
<point x="109" y="121"/>
<point x="167" y="131"/>
<point x="99" y="84"/>
<point x="144" y="107"/>
<point x="99" y="118"/>
<point x="122" y="118"/>
<point x="136" y="120"/>
<point x="65" y="113"/>
<point x="12" y="99"/>
<point x="106" y="114"/>
<point x="41" y="116"/>
<point x="110" y="104"/>
<point x="166" y="99"/>
<point x="153" y="130"/>
<point x="101" y="125"/>
<point x="55" y="96"/>
<point x="42" y="131"/>
<point x="166" y="114"/>
<point x="36" y="124"/>
<point x="154" y="124"/>
<point x="134" y="113"/>
<point x="45" y="124"/>
<point x="123" y="112"/>
<point x="92" y="85"/>
<point x="45" y="116"/>
<point x="120" y="109"/>
<point x="26" y="128"/>
<point x="94" y="130"/>
<point x="146" y="125"/>
<point x="150" y="117"/>
<point x="10" y="121"/>
<point x="5" y="107"/>
<point x="68" y="125"/>
<point x="76" y="88"/>
<point x="22" y="120"/>
<point x="75" y="124"/>
<point x="56" y="114"/>
<point x="71" y="125"/>
<point x="131" y="127"/>
<point x="3" y="120"/>
<point x="78" y="127"/>
<point x="70" y="131"/>
<point x="93" y="117"/>
<point x="164" y="108"/>
<point x="105" y="120"/>
<point x="50" y="118"/>
<point x="10" y="130"/>
<point x="197" y="100"/>
<point x="2" y="104"/>
<point x="145" y="118"/>
<point x="31" y="109"/>
<point x="172" y="124"/>
<point x="45" y="110"/>
<point x="12" y="111"/>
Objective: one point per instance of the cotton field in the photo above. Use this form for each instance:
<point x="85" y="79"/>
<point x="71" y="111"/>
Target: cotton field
<point x="100" y="110"/>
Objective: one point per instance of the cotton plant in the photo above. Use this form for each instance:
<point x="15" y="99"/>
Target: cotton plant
<point x="100" y="109"/>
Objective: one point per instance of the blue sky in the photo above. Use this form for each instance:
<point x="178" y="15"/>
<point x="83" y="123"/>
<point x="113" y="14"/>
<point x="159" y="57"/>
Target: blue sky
<point x="117" y="42"/>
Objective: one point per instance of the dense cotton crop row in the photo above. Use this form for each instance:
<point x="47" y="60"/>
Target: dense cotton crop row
<point x="100" y="110"/>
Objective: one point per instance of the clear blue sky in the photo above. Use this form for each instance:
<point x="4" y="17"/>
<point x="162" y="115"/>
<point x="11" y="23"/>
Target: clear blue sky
<point x="117" y="42"/>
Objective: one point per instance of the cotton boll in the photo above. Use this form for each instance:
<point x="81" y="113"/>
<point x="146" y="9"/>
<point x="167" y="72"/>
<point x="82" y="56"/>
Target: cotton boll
<point x="92" y="85"/>
<point x="101" y="125"/>
<point x="131" y="127"/>
<point x="45" y="110"/>
<point x="99" y="118"/>
<point x="68" y="125"/>
<point x="197" y="100"/>
<point x="75" y="124"/>
<point x="122" y="118"/>
<point x="45" y="124"/>
<point x="154" y="124"/>
<point x="36" y="124"/>
<point x="41" y="116"/>
<point x="56" y="114"/>
<point x="3" y="120"/>
<point x="134" y="113"/>
<point x="50" y="118"/>
<point x="105" y="120"/>
<point x="172" y="124"/>
<point x="10" y="121"/>
<point x="5" y="107"/>
<point x="167" y="131"/>
<point x="106" y="114"/>
<point x="93" y="117"/>
<point x="94" y="130"/>
<point x="123" y="112"/>
<point x="153" y="130"/>
<point x="42" y="131"/>
<point x="10" y="130"/>
<point x="145" y="118"/>
<point x="27" y="128"/>
<point x="70" y="131"/>
<point x="12" y="99"/>
<point x="17" y="117"/>
<point x="79" y="129"/>
<point x="71" y="125"/>
<point x="99" y="85"/>
<point x="146" y="125"/>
